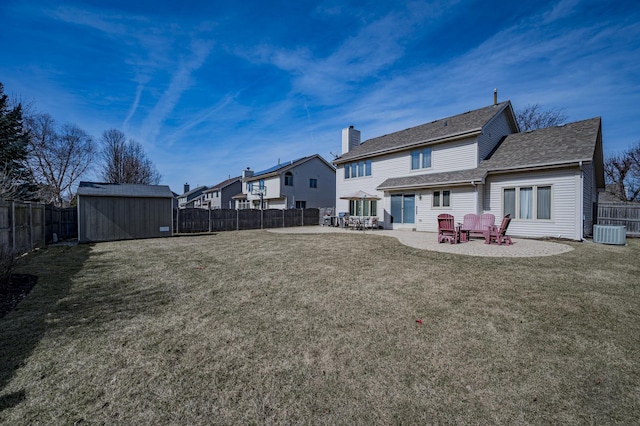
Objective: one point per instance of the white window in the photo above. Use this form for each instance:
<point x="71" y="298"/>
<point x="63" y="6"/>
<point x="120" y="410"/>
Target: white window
<point x="527" y="202"/>
<point x="441" y="199"/>
<point x="421" y="159"/>
<point x="357" y="169"/>
<point x="363" y="207"/>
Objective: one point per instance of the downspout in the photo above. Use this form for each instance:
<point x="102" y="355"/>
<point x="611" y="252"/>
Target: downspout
<point x="581" y="202"/>
<point x="475" y="191"/>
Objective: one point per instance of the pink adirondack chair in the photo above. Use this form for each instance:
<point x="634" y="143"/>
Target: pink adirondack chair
<point x="475" y="225"/>
<point x="496" y="235"/>
<point x="447" y="230"/>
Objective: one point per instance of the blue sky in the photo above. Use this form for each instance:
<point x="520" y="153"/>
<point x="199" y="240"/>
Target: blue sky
<point x="210" y="88"/>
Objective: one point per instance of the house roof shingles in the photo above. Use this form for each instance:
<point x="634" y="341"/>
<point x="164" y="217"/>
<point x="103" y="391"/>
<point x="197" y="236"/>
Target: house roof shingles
<point x="569" y="143"/>
<point x="194" y="191"/>
<point x="566" y="144"/>
<point x="434" y="179"/>
<point x="224" y="184"/>
<point x="465" y="123"/>
<point x="100" y="189"/>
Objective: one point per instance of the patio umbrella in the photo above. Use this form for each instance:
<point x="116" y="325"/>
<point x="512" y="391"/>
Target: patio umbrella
<point x="360" y="195"/>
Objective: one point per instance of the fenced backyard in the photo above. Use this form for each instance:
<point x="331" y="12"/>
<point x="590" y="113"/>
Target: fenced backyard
<point x="255" y="327"/>
<point x="25" y="226"/>
<point x="194" y="220"/>
<point x="625" y="214"/>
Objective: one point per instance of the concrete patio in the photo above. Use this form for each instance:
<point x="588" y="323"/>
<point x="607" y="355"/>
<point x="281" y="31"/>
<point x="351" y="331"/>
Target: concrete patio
<point x="522" y="247"/>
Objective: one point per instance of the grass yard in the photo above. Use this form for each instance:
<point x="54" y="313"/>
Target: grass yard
<point x="253" y="327"/>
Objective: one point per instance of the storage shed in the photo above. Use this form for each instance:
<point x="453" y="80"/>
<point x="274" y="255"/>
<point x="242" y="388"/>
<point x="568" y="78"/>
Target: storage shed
<point x="112" y="211"/>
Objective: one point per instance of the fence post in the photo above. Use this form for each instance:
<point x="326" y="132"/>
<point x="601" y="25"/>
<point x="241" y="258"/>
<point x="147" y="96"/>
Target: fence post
<point x="30" y="228"/>
<point x="283" y="217"/>
<point x="13" y="226"/>
<point x="237" y="219"/>
<point x="261" y="218"/>
<point x="302" y="214"/>
<point x="209" y="218"/>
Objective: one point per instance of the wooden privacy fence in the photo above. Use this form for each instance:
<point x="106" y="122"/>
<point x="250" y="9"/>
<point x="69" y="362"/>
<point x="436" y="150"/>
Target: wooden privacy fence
<point x="626" y="214"/>
<point x="200" y="220"/>
<point x="25" y="226"/>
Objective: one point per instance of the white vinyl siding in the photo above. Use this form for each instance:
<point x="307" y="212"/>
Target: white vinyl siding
<point x="565" y="193"/>
<point x="589" y="197"/>
<point x="463" y="201"/>
<point x="491" y="135"/>
<point x="444" y="157"/>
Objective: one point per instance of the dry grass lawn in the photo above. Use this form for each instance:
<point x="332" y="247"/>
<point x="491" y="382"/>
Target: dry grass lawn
<point x="253" y="327"/>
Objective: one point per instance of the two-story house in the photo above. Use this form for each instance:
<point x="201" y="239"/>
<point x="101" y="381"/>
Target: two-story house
<point x="190" y="196"/>
<point x="476" y="162"/>
<point x="308" y="182"/>
<point x="220" y="196"/>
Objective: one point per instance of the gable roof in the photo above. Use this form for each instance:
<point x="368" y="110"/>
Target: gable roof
<point x="193" y="192"/>
<point x="571" y="143"/>
<point x="457" y="126"/>
<point x="277" y="169"/>
<point x="224" y="184"/>
<point x="99" y="189"/>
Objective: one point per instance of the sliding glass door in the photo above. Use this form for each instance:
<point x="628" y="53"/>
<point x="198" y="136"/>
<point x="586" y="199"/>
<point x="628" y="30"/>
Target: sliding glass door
<point x="403" y="208"/>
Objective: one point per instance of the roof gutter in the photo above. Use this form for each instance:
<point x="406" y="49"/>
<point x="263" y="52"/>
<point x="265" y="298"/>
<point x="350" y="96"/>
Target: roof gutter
<point x="473" y="182"/>
<point x="555" y="165"/>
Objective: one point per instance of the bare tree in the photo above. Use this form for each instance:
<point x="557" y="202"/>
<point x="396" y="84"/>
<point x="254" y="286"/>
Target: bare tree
<point x="533" y="117"/>
<point x="125" y="161"/>
<point x="10" y="183"/>
<point x="623" y="172"/>
<point x="58" y="158"/>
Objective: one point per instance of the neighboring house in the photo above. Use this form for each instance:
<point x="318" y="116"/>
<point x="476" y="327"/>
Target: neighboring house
<point x="477" y="162"/>
<point x="612" y="194"/>
<point x="309" y="182"/>
<point x="220" y="196"/>
<point x="190" y="196"/>
<point x="112" y="211"/>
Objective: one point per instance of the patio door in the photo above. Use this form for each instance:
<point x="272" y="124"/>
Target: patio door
<point x="403" y="208"/>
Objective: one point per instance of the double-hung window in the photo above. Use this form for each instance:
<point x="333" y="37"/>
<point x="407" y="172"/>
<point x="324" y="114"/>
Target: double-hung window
<point x="527" y="202"/>
<point x="441" y="199"/>
<point x="421" y="159"/>
<point x="313" y="183"/>
<point x="357" y="169"/>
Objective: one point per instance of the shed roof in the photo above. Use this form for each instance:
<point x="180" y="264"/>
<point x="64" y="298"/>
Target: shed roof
<point x="99" y="189"/>
<point x="435" y="131"/>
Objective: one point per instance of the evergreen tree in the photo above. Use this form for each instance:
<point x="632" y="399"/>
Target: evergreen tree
<point x="15" y="179"/>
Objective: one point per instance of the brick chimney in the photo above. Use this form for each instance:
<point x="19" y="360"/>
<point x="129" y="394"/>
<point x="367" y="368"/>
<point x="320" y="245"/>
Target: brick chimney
<point x="350" y="139"/>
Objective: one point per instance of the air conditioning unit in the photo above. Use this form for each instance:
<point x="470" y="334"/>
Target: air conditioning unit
<point x="609" y="234"/>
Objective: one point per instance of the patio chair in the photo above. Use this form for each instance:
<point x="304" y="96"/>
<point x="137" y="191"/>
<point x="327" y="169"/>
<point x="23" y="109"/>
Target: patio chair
<point x="496" y="235"/>
<point x="447" y="230"/>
